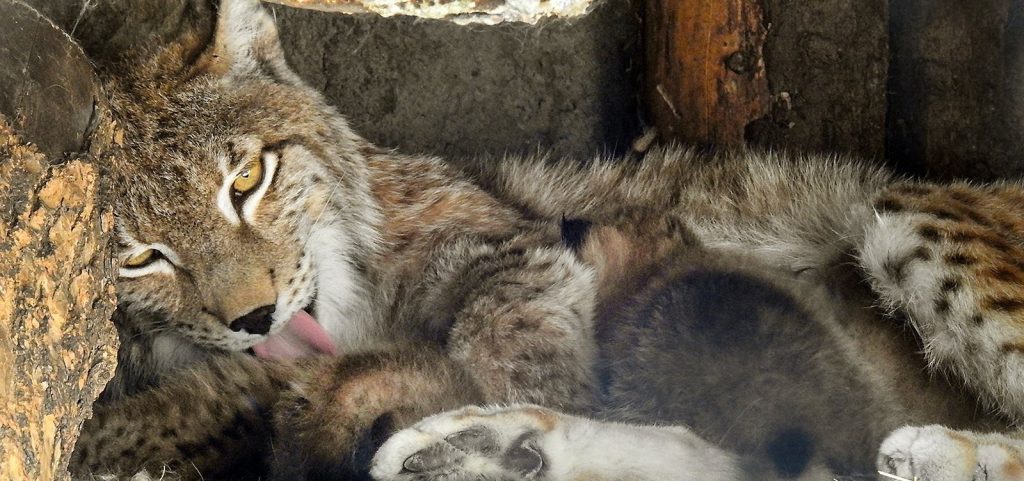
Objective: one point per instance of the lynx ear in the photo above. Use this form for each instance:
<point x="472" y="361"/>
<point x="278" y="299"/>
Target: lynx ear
<point x="245" y="44"/>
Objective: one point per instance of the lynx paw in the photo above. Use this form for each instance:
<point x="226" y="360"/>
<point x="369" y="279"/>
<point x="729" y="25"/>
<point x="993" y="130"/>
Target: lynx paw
<point x="935" y="453"/>
<point x="471" y="444"/>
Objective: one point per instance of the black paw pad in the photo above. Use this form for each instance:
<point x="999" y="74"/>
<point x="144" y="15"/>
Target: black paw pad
<point x="476" y="439"/>
<point x="430" y="459"/>
<point x="523" y="458"/>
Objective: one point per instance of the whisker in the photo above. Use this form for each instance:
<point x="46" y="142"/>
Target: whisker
<point x="896" y="478"/>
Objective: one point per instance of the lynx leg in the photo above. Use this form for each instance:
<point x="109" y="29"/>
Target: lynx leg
<point x="528" y="442"/>
<point x="524" y="331"/>
<point x="332" y="421"/>
<point x="936" y="453"/>
<point x="951" y="259"/>
<point x="210" y="422"/>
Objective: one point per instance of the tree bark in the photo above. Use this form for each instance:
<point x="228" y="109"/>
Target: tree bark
<point x="57" y="344"/>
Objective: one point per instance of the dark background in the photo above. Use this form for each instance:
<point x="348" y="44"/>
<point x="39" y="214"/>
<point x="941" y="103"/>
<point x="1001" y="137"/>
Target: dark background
<point x="932" y="87"/>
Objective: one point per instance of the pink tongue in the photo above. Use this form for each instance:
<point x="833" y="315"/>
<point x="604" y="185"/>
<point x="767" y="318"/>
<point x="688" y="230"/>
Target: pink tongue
<point x="301" y="337"/>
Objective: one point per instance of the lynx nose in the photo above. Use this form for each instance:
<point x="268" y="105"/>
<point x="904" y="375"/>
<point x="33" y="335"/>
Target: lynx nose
<point x="256" y="322"/>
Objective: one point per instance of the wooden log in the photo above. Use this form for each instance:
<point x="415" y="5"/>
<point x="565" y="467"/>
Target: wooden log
<point x="705" y="69"/>
<point x="57" y="344"/>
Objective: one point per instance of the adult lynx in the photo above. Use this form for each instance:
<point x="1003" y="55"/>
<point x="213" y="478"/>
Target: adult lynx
<point x="723" y="294"/>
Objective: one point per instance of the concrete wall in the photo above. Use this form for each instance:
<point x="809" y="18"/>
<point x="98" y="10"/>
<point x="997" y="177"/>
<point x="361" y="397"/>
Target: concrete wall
<point x="433" y="86"/>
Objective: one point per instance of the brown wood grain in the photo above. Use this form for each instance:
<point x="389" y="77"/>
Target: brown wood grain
<point x="705" y="68"/>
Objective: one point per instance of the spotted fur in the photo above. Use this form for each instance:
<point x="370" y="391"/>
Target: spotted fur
<point x="952" y="258"/>
<point x="534" y="281"/>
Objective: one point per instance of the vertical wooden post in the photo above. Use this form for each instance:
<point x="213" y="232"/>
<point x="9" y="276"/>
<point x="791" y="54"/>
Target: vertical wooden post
<point x="705" y="68"/>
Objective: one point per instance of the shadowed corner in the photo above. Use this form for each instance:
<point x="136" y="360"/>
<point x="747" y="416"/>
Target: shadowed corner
<point x="46" y="77"/>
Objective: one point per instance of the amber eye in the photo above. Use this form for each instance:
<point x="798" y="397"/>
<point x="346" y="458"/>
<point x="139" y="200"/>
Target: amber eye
<point x="141" y="259"/>
<point x="249" y="177"/>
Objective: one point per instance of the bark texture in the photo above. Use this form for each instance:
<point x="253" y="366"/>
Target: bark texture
<point x="57" y="344"/>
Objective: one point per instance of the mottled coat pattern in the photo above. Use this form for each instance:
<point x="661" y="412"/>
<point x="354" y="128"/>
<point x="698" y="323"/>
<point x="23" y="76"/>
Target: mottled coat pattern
<point x="679" y="316"/>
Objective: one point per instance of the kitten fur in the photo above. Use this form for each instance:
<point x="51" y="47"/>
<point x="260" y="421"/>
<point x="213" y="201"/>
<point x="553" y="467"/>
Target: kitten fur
<point x="728" y="295"/>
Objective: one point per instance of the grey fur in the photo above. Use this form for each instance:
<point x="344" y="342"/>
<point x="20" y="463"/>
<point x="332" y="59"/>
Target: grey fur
<point x="456" y="287"/>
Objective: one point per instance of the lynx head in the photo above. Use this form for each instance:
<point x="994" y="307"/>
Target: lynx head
<point x="239" y="193"/>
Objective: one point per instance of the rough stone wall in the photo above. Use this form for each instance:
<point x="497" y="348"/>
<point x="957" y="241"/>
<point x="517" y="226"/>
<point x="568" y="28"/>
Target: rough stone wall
<point x="566" y="86"/>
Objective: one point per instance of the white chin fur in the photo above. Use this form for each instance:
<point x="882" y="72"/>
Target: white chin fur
<point x="240" y="341"/>
<point x="342" y="304"/>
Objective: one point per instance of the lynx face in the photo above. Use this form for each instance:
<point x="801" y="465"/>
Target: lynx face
<point x="239" y="194"/>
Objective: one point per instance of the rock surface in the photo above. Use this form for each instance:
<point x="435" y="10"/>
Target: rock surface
<point x="565" y="86"/>
<point x="459" y="11"/>
<point x="827" y="64"/>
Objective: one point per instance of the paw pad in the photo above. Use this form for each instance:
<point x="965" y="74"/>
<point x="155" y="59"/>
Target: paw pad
<point x="469" y="444"/>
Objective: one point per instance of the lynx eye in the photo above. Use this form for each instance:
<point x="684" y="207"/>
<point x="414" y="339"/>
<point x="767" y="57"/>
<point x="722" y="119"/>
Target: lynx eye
<point x="244" y="184"/>
<point x="142" y="259"/>
<point x="249" y="177"/>
<point x="155" y="258"/>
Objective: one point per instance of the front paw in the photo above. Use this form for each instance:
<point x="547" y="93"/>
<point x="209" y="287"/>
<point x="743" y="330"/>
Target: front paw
<point x="935" y="453"/>
<point x="471" y="444"/>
